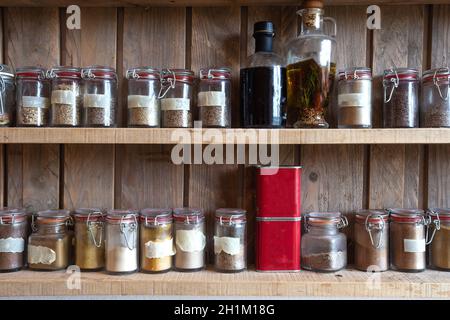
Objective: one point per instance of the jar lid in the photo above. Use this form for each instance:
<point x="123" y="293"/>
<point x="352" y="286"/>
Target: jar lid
<point x="372" y="215"/>
<point x="32" y="73"/>
<point x="220" y="73"/>
<point x="188" y="215"/>
<point x="53" y="216"/>
<point x="6" y="72"/>
<point x="438" y="74"/>
<point x="156" y="216"/>
<point x="182" y="75"/>
<point x="143" y="73"/>
<point x="89" y="214"/>
<point x="64" y="72"/>
<point x="406" y="215"/>
<point x="12" y="215"/>
<point x="401" y="73"/>
<point x="100" y="72"/>
<point x="323" y="218"/>
<point x="355" y="73"/>
<point x="119" y="216"/>
<point x="230" y="215"/>
<point x="440" y="213"/>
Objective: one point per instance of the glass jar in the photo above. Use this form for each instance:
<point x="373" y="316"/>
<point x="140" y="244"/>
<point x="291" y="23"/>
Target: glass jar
<point x="156" y="240"/>
<point x="408" y="240"/>
<point x="143" y="104"/>
<point x="89" y="239"/>
<point x="121" y="241"/>
<point x="372" y="240"/>
<point x="214" y="97"/>
<point x="32" y="97"/>
<point x="13" y="236"/>
<point x="324" y="247"/>
<point x="435" y="107"/>
<point x="355" y="98"/>
<point x="65" y="97"/>
<point x="230" y="240"/>
<point x="439" y="250"/>
<point x="176" y="98"/>
<point x="190" y="239"/>
<point x="99" y="96"/>
<point x="49" y="246"/>
<point x="7" y="95"/>
<point x="401" y="98"/>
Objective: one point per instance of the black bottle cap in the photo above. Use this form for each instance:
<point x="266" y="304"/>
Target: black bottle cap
<point x="263" y="27"/>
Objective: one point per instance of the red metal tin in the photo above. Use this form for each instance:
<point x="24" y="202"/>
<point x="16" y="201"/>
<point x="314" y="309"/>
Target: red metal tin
<point x="278" y="244"/>
<point x="278" y="191"/>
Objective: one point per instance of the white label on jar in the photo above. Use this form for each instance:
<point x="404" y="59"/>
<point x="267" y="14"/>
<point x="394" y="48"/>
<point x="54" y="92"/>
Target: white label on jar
<point x="139" y="101"/>
<point x="190" y="240"/>
<point x="64" y="97"/>
<point x="412" y="245"/>
<point x="227" y="244"/>
<point x="159" y="249"/>
<point x="12" y="245"/>
<point x="353" y="100"/>
<point x="35" y="102"/>
<point x="40" y="254"/>
<point x="177" y="104"/>
<point x="211" y="98"/>
<point x="97" y="101"/>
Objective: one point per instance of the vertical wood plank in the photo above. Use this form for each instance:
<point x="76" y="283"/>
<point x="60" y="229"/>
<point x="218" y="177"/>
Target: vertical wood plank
<point x="153" y="37"/>
<point x="89" y="169"/>
<point x="33" y="170"/>
<point x="2" y="147"/>
<point x="440" y="36"/>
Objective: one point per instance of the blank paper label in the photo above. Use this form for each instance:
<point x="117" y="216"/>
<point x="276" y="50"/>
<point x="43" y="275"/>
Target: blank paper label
<point x="227" y="244"/>
<point x="353" y="100"/>
<point x="411" y="245"/>
<point x="35" y="102"/>
<point x="190" y="240"/>
<point x="39" y="254"/>
<point x="159" y="249"/>
<point x="63" y="97"/>
<point x="139" y="101"/>
<point x="97" y="101"/>
<point x="177" y="104"/>
<point x="12" y="245"/>
<point x="211" y="98"/>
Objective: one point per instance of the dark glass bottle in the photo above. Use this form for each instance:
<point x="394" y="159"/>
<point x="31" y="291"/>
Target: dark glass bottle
<point x="263" y="83"/>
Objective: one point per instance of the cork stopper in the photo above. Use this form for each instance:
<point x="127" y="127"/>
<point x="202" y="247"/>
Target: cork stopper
<point x="309" y="4"/>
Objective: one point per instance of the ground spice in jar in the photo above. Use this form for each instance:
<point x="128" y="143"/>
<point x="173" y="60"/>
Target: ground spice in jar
<point x="326" y="261"/>
<point x="143" y="116"/>
<point x="175" y="118"/>
<point x="440" y="240"/>
<point x="99" y="115"/>
<point x="435" y="107"/>
<point x="213" y="116"/>
<point x="407" y="238"/>
<point x="13" y="235"/>
<point x="66" y="105"/>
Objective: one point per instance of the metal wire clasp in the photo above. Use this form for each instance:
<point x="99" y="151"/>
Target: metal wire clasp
<point x="437" y="226"/>
<point x="436" y="83"/>
<point x="87" y="73"/>
<point x="375" y="226"/>
<point x="99" y="227"/>
<point x="132" y="229"/>
<point x="166" y="83"/>
<point x="395" y="81"/>
<point x="343" y="222"/>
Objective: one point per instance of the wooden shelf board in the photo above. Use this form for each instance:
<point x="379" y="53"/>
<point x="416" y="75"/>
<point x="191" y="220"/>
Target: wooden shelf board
<point x="235" y="136"/>
<point x="348" y="283"/>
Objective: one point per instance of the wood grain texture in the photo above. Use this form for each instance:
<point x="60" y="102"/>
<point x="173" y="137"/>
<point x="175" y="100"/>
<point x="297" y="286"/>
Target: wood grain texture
<point x="33" y="170"/>
<point x="440" y="36"/>
<point x="2" y="147"/>
<point x="439" y="176"/>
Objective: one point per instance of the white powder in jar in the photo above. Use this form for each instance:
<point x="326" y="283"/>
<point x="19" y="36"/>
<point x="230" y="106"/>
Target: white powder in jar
<point x="121" y="259"/>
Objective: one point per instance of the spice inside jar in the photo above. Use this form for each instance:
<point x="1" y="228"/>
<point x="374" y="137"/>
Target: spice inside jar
<point x="7" y="95"/>
<point x="190" y="239"/>
<point x="49" y="246"/>
<point x="157" y="249"/>
<point x="372" y="240"/>
<point x="439" y="247"/>
<point x="121" y="241"/>
<point x="407" y="238"/>
<point x="89" y="238"/>
<point x="435" y="107"/>
<point x="230" y="240"/>
<point x="13" y="236"/>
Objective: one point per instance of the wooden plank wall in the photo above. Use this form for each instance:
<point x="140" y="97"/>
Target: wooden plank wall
<point x="339" y="177"/>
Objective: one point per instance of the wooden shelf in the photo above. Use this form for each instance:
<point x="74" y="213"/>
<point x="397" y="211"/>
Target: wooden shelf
<point x="348" y="283"/>
<point x="260" y="136"/>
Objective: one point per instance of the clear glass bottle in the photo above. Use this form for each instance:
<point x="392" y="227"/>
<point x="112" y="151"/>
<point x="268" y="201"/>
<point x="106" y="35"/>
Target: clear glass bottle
<point x="65" y="108"/>
<point x="372" y="240"/>
<point x="263" y="83"/>
<point x="7" y="95"/>
<point x="122" y="241"/>
<point x="144" y="84"/>
<point x="355" y="98"/>
<point x="230" y="240"/>
<point x="32" y="97"/>
<point x="311" y="70"/>
<point x="13" y="238"/>
<point x="50" y="244"/>
<point x="214" y="97"/>
<point x="401" y="98"/>
<point x="90" y="238"/>
<point x="176" y="98"/>
<point x="324" y="247"/>
<point x="408" y="240"/>
<point x="190" y="239"/>
<point x="157" y="249"/>
<point x="439" y="243"/>
<point x="99" y="86"/>
<point x="435" y="106"/>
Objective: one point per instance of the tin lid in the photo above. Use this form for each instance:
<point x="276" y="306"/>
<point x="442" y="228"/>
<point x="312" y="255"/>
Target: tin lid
<point x="64" y="72"/>
<point x="98" y="72"/>
<point x="181" y="75"/>
<point x="37" y="73"/>
<point x="90" y="214"/>
<point x="52" y="216"/>
<point x="188" y="215"/>
<point x="372" y="215"/>
<point x="120" y="216"/>
<point x="440" y="213"/>
<point x="146" y="73"/>
<point x="230" y="215"/>
<point x="12" y="215"/>
<point x="6" y="72"/>
<point x="355" y="73"/>
<point x="402" y="74"/>
<point x="156" y="216"/>
<point x="220" y="73"/>
<point x="406" y="215"/>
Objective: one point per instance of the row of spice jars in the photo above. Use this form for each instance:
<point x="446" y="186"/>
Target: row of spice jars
<point x="164" y="98"/>
<point x="401" y="98"/>
<point x="113" y="240"/>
